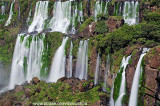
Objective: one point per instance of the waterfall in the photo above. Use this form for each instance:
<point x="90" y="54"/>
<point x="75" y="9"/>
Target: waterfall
<point x="99" y="8"/>
<point x="69" y="71"/>
<point x="80" y="15"/>
<point x="19" y="11"/>
<point x="97" y="70"/>
<point x="17" y="69"/>
<point x="3" y="9"/>
<point x="26" y="62"/>
<point x="123" y="81"/>
<point x="58" y="64"/>
<point x="131" y="12"/>
<point x="111" y="101"/>
<point x="106" y="73"/>
<point x="10" y="14"/>
<point x="61" y="16"/>
<point x="77" y="16"/>
<point x="34" y="58"/>
<point x="40" y="15"/>
<point x="135" y="83"/>
<point x="82" y="61"/>
<point x="66" y="16"/>
<point x="29" y="17"/>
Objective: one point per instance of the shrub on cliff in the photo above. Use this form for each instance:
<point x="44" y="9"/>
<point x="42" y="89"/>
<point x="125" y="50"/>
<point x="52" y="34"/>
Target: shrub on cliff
<point x="152" y="18"/>
<point x="101" y="27"/>
<point x="148" y="34"/>
<point x="85" y="24"/>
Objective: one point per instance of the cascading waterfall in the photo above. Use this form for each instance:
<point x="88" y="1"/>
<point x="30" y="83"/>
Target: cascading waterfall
<point x="29" y="17"/>
<point x="40" y="15"/>
<point x="61" y="16"/>
<point x="99" y="8"/>
<point x="117" y="9"/>
<point x="80" y="15"/>
<point x="106" y="73"/>
<point x="10" y="14"/>
<point x="111" y="101"/>
<point x="65" y="15"/>
<point x="75" y="13"/>
<point x="2" y="9"/>
<point x="34" y="58"/>
<point x="131" y="12"/>
<point x="69" y="71"/>
<point x="123" y="81"/>
<point x="19" y="12"/>
<point x="17" y="69"/>
<point x="135" y="83"/>
<point x="97" y="70"/>
<point x="82" y="61"/>
<point x="59" y="62"/>
<point x="27" y="57"/>
<point x="77" y="16"/>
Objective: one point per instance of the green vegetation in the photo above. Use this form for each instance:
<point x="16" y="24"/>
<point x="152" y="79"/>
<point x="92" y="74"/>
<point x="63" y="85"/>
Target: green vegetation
<point x="53" y="41"/>
<point x="152" y="18"/>
<point x="85" y="24"/>
<point x="128" y="35"/>
<point x="101" y="26"/>
<point x="117" y="84"/>
<point x="7" y="42"/>
<point x="58" y="92"/>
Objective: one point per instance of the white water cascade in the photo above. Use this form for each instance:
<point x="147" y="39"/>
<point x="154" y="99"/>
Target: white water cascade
<point x="106" y="73"/>
<point x="34" y="58"/>
<point x="3" y="9"/>
<point x="29" y="17"/>
<point x="123" y="81"/>
<point x="69" y="71"/>
<point x="99" y="8"/>
<point x="82" y="61"/>
<point x="131" y="12"/>
<point x="10" y="14"/>
<point x="80" y="14"/>
<point x="40" y="15"/>
<point x="111" y="101"/>
<point x="135" y="83"/>
<point x="97" y="70"/>
<point x="26" y="62"/>
<point x="58" y="64"/>
<point x="77" y="15"/>
<point x="61" y="16"/>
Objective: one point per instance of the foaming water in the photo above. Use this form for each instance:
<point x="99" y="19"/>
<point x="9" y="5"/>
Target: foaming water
<point x="58" y="64"/>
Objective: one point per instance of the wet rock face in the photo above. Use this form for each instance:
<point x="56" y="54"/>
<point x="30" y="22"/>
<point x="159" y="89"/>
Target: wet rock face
<point x="35" y="80"/>
<point x="92" y="63"/>
<point x="88" y="31"/>
<point x="130" y="70"/>
<point x="114" y="23"/>
<point x="28" y="92"/>
<point x="77" y="84"/>
<point x="152" y="64"/>
<point x="18" y="88"/>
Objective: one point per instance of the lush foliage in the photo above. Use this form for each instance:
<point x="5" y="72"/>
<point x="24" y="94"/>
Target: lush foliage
<point x="53" y="41"/>
<point x="7" y="42"/>
<point x="58" y="92"/>
<point x="152" y="18"/>
<point x="127" y="35"/>
<point x="117" y="84"/>
<point x="84" y="25"/>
